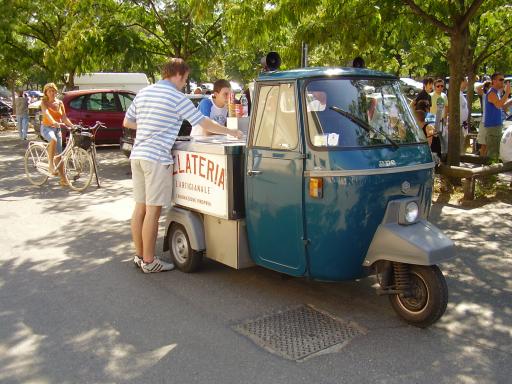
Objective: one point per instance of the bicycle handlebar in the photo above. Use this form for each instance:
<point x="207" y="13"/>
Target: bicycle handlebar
<point x="81" y="128"/>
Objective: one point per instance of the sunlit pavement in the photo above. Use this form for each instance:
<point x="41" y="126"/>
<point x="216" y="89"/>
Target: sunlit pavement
<point x="74" y="309"/>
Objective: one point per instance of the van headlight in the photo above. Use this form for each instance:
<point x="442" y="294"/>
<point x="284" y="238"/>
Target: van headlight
<point x="411" y="212"/>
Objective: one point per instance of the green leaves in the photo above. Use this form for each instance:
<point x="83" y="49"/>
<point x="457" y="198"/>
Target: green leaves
<point x="223" y="38"/>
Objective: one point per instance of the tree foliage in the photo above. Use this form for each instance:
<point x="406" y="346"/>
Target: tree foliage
<point x="228" y="37"/>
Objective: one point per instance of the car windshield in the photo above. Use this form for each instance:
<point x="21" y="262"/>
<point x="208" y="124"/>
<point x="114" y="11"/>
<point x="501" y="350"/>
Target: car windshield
<point x="359" y="113"/>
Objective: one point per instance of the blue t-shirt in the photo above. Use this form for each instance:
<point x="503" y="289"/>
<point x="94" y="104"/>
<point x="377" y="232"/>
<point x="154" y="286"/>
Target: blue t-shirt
<point x="493" y="116"/>
<point x="209" y="109"/>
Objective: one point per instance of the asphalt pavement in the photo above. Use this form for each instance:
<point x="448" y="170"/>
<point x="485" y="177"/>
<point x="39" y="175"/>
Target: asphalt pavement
<point x="74" y="309"/>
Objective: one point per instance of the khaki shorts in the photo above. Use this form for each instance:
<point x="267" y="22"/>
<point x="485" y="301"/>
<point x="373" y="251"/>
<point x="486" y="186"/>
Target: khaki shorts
<point x="481" y="134"/>
<point x="493" y="139"/>
<point x="152" y="182"/>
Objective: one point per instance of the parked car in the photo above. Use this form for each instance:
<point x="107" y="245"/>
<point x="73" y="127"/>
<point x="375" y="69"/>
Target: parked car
<point x="410" y="87"/>
<point x="105" y="105"/>
<point x="5" y="109"/>
<point x="507" y="122"/>
<point x="206" y="87"/>
<point x="129" y="134"/>
<point x="34" y="93"/>
<point x="4" y="92"/>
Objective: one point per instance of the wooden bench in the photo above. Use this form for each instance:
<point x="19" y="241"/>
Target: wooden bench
<point x="473" y="167"/>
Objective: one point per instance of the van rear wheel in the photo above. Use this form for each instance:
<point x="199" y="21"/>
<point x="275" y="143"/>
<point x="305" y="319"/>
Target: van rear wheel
<point x="427" y="298"/>
<point x="183" y="256"/>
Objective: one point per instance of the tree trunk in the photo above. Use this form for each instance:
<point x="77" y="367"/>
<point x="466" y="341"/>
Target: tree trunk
<point x="69" y="81"/>
<point x="12" y="84"/>
<point x="456" y="53"/>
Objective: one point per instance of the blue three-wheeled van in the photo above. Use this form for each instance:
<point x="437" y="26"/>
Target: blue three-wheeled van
<point x="334" y="182"/>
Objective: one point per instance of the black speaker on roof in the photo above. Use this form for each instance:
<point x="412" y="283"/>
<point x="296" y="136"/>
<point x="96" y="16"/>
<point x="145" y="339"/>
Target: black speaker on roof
<point x="271" y="62"/>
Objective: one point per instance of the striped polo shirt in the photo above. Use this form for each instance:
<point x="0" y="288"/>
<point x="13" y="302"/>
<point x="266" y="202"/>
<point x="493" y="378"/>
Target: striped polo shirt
<point x="158" y="111"/>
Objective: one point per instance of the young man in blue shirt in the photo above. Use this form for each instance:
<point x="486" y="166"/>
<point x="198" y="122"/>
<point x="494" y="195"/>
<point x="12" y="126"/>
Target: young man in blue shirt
<point x="214" y="107"/>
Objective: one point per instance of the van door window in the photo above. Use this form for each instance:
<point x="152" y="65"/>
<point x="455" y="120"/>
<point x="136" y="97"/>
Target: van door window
<point x="126" y="100"/>
<point x="276" y="118"/>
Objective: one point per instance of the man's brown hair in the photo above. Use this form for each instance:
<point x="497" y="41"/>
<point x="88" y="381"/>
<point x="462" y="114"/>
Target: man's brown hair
<point x="428" y="80"/>
<point x="175" y="66"/>
<point x="495" y="75"/>
<point x="423" y="105"/>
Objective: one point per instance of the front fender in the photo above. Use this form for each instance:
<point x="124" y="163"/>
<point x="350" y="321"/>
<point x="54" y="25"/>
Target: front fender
<point x="421" y="243"/>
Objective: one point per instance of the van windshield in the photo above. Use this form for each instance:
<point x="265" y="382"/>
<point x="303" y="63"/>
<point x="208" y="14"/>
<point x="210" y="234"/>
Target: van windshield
<point x="359" y="113"/>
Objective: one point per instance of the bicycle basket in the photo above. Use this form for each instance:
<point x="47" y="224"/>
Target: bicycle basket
<point x="82" y="139"/>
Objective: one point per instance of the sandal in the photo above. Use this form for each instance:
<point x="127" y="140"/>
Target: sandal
<point x="64" y="183"/>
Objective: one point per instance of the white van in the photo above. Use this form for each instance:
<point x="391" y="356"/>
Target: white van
<point x="109" y="80"/>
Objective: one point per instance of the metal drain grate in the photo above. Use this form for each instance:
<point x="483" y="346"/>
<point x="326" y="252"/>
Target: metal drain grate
<point x="299" y="332"/>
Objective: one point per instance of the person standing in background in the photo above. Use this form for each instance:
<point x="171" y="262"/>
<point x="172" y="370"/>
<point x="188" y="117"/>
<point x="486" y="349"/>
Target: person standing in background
<point x="215" y="107"/>
<point x="464" y="114"/>
<point x="421" y="112"/>
<point x="428" y="86"/>
<point x="495" y="102"/>
<point x="439" y="108"/>
<point x="482" y="90"/>
<point x="21" y="104"/>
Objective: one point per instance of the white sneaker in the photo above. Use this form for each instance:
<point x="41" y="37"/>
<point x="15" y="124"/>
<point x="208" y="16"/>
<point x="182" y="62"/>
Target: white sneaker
<point x="156" y="265"/>
<point x="137" y="260"/>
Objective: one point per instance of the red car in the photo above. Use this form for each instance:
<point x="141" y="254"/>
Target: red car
<point x="106" y="105"/>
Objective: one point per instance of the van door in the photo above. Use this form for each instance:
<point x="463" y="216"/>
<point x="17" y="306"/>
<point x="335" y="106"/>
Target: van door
<point x="274" y="182"/>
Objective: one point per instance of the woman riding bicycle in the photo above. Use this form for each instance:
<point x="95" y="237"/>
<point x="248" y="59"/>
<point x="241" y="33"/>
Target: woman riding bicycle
<point x="54" y="115"/>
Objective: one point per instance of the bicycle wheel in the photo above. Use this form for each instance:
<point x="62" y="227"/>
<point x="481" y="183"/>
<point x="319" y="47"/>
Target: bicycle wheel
<point x="78" y="169"/>
<point x="36" y="164"/>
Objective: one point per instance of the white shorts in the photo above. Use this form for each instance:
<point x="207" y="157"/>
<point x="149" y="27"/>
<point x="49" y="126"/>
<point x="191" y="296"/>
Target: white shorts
<point x="152" y="182"/>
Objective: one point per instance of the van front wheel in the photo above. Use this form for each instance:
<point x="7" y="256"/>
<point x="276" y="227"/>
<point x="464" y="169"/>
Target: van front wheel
<point x="427" y="298"/>
<point x="183" y="256"/>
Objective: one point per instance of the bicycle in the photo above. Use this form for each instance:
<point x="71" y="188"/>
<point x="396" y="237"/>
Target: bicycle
<point x="78" y="158"/>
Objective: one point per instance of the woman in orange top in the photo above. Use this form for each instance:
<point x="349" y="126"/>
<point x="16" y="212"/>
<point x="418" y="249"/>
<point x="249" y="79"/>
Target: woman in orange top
<point x="54" y="115"/>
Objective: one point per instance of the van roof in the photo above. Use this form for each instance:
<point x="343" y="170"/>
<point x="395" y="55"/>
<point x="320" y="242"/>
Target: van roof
<point x="96" y="90"/>
<point x="111" y="77"/>
<point x="312" y="72"/>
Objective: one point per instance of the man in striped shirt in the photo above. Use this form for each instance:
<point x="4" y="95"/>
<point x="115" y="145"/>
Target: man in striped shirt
<point x="157" y="113"/>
